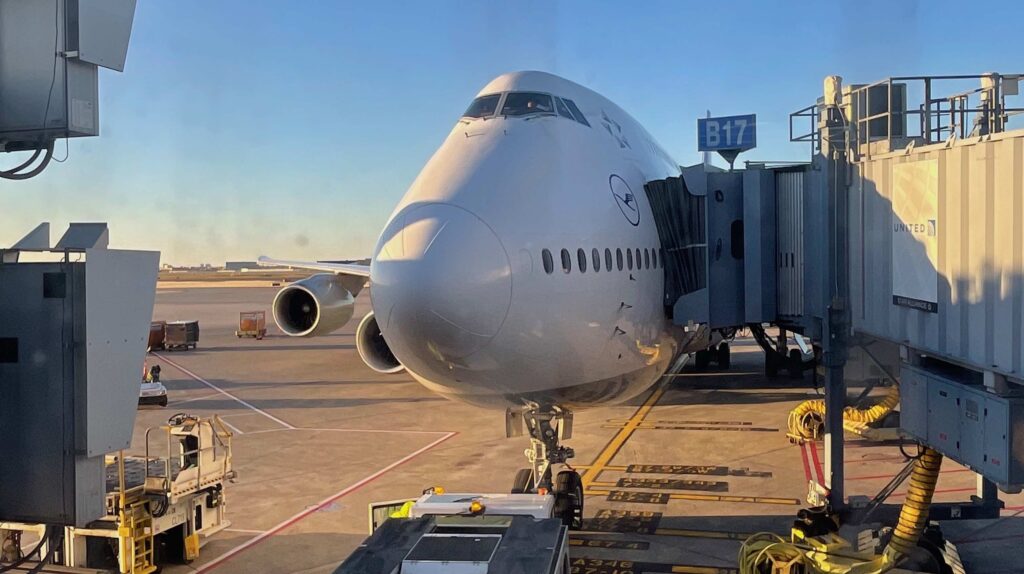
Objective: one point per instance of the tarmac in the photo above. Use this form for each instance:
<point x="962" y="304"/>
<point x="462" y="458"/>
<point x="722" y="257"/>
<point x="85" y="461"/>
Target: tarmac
<point x="676" y="478"/>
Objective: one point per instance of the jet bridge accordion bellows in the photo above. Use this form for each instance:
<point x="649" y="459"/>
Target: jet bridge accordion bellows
<point x="679" y="217"/>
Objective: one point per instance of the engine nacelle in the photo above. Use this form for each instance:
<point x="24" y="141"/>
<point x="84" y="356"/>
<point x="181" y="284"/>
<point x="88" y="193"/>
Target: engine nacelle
<point x="316" y="305"/>
<point x="372" y="347"/>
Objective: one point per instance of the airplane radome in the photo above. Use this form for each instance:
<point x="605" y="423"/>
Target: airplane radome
<point x="522" y="268"/>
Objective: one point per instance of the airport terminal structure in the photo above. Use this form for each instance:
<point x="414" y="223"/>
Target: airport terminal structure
<point x="785" y="368"/>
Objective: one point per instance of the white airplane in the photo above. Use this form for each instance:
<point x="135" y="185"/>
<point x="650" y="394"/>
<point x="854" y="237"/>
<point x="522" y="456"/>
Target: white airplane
<point x="522" y="270"/>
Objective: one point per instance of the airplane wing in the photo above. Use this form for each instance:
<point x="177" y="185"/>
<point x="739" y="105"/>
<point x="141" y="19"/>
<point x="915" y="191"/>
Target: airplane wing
<point x="339" y="268"/>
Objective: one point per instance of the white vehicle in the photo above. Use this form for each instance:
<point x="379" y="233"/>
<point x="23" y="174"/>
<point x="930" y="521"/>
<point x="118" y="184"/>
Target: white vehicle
<point x="153" y="393"/>
<point x="522" y="270"/>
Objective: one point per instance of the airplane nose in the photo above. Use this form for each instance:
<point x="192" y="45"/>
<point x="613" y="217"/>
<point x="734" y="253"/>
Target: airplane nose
<point x="441" y="283"/>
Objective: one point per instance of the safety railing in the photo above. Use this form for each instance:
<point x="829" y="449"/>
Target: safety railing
<point x="219" y="451"/>
<point x="879" y="112"/>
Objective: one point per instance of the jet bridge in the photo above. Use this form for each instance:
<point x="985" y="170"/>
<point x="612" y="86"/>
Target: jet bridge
<point x="896" y="251"/>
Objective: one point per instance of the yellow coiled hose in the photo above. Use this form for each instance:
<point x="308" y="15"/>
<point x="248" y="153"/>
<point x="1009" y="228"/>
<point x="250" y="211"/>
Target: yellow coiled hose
<point x="914" y="514"/>
<point x="769" y="552"/>
<point x="808" y="418"/>
<point x="765" y="552"/>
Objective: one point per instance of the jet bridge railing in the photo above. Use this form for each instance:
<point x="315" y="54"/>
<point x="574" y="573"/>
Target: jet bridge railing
<point x="877" y="114"/>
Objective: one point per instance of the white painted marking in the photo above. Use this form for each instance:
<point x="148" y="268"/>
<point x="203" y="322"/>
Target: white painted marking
<point x="202" y="398"/>
<point x="311" y="509"/>
<point x="397" y="431"/>
<point x="233" y="427"/>
<point x="222" y="391"/>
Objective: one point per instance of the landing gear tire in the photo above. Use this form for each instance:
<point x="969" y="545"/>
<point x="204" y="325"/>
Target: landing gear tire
<point x="722" y="356"/>
<point x="523" y="482"/>
<point x="795" y="364"/>
<point x="569" y="498"/>
<point x="701" y="359"/>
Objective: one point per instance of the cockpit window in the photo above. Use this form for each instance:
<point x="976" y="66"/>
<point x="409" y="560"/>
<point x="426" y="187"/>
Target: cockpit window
<point x="577" y="113"/>
<point x="483" y="106"/>
<point x="524" y="103"/>
<point x="563" y="110"/>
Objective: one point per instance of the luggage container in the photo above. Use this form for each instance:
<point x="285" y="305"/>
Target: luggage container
<point x="252" y="324"/>
<point x="181" y="335"/>
<point x="157" y="334"/>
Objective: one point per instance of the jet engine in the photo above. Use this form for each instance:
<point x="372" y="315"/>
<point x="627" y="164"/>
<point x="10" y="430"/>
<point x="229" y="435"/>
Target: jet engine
<point x="372" y="347"/>
<point x="316" y="305"/>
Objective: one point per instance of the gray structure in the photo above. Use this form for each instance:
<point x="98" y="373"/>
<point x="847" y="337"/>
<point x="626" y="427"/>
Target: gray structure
<point x="900" y="243"/>
<point x="49" y="81"/>
<point x="73" y="336"/>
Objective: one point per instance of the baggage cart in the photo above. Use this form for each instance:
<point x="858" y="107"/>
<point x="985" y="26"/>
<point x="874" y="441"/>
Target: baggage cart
<point x="252" y="324"/>
<point x="157" y="333"/>
<point x="182" y="335"/>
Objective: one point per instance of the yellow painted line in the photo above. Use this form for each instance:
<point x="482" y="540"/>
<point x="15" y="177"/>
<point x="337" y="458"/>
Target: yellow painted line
<point x="716" y="534"/>
<point x="717" y="498"/>
<point x="612" y="448"/>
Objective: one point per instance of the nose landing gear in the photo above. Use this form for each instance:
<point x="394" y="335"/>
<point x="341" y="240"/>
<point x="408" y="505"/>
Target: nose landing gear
<point x="548" y="425"/>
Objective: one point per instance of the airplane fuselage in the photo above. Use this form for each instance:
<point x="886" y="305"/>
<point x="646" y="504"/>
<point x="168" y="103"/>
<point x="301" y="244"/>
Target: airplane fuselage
<point x="523" y="264"/>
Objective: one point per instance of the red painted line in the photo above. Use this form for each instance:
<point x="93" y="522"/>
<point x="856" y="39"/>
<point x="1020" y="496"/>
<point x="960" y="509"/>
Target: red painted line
<point x="877" y="476"/>
<point x="817" y="466"/>
<point x="320" y="505"/>
<point x="807" y="465"/>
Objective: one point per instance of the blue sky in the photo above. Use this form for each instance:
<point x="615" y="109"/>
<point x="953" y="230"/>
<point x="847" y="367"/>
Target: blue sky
<point x="291" y="128"/>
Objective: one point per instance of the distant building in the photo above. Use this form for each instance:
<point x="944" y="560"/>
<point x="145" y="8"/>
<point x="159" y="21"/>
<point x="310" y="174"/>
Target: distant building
<point x="240" y="265"/>
<point x="248" y="266"/>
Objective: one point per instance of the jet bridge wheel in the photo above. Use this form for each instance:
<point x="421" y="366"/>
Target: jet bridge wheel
<point x="523" y="483"/>
<point x="722" y="356"/>
<point x="569" y="498"/>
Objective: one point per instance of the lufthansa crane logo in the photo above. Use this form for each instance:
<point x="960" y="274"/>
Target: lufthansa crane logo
<point x="625" y="199"/>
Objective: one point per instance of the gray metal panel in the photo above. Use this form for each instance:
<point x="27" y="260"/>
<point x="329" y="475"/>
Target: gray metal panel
<point x="914" y="402"/>
<point x="995" y="453"/>
<point x="37" y="394"/>
<point x="972" y="428"/>
<point x="104" y="28"/>
<point x="789" y="193"/>
<point x="725" y="272"/>
<point x="27" y="65"/>
<point x="759" y="239"/>
<point x="84" y="236"/>
<point x="943" y="399"/>
<point x="980" y="254"/>
<point x="121" y="288"/>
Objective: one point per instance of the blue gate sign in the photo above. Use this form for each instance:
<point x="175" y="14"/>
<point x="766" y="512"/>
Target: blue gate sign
<point x="727" y="133"/>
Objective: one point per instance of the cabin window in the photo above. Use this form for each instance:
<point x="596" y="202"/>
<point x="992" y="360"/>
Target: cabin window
<point x="483" y="106"/>
<point x="647" y="258"/>
<point x="654" y="258"/>
<point x="581" y="258"/>
<point x="563" y="110"/>
<point x="629" y="259"/>
<point x="637" y="258"/>
<point x="576" y="113"/>
<point x="549" y="264"/>
<point x="566" y="261"/>
<point x="618" y="257"/>
<point x="607" y="259"/>
<point x="525" y="103"/>
<point x="595" y="255"/>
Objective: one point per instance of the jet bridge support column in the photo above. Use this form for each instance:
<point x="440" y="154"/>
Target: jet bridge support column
<point x="836" y="333"/>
